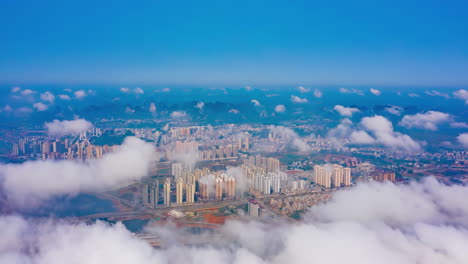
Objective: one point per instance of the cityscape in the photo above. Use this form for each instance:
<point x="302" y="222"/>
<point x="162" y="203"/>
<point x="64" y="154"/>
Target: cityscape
<point x="233" y="132"/>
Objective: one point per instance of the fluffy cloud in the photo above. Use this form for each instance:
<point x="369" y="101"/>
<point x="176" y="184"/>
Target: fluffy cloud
<point x="166" y="90"/>
<point x="429" y="120"/>
<point x="374" y="130"/>
<point x="436" y="93"/>
<point x="413" y="95"/>
<point x="152" y="108"/>
<point x="80" y="94"/>
<point x="280" y="108"/>
<point x="461" y="94"/>
<point x="298" y="100"/>
<point x="394" y="110"/>
<point x="345" y="111"/>
<point x="27" y="92"/>
<point x="416" y="223"/>
<point x="129" y="110"/>
<point x="318" y="93"/>
<point x="382" y="129"/>
<point x="138" y="90"/>
<point x="40" y="106"/>
<point x="302" y="89"/>
<point x="375" y="91"/>
<point x="35" y="181"/>
<point x="349" y="91"/>
<point x="463" y="139"/>
<point x="124" y="89"/>
<point x="64" y="97"/>
<point x="234" y="111"/>
<point x="289" y="136"/>
<point x="248" y="88"/>
<point x="200" y="105"/>
<point x="67" y="127"/>
<point x="361" y="137"/>
<point x="48" y="97"/>
<point x="255" y="102"/>
<point x="178" y="114"/>
<point x="15" y="89"/>
<point x="6" y="108"/>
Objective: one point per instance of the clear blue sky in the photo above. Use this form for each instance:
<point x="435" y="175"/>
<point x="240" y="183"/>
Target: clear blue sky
<point x="234" y="42"/>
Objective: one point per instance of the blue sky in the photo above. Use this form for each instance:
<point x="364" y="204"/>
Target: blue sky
<point x="234" y="42"/>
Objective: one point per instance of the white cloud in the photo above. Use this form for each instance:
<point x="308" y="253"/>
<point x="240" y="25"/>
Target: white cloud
<point x="436" y="93"/>
<point x="288" y="135"/>
<point x="255" y="102"/>
<point x="302" y="89"/>
<point x="79" y="94"/>
<point x="67" y="127"/>
<point x="382" y="223"/>
<point x="429" y="120"/>
<point x="342" y="130"/>
<point x="463" y="139"/>
<point x="461" y="94"/>
<point x="152" y="108"/>
<point x="178" y="114"/>
<point x="15" y="89"/>
<point x="394" y="110"/>
<point x="375" y="91"/>
<point x="345" y="111"/>
<point x="234" y="111"/>
<point x="318" y="93"/>
<point x="124" y="89"/>
<point x="459" y="125"/>
<point x="6" y="108"/>
<point x="248" y="88"/>
<point x="64" y="97"/>
<point x="129" y="110"/>
<point x="413" y="95"/>
<point x="280" y="108"/>
<point x="40" y="106"/>
<point x="23" y="110"/>
<point x="34" y="181"/>
<point x="349" y="91"/>
<point x="166" y="90"/>
<point x="361" y="137"/>
<point x="382" y="130"/>
<point x="27" y="92"/>
<point x="200" y="105"/>
<point x="48" y="97"/>
<point x="138" y="90"/>
<point x="298" y="100"/>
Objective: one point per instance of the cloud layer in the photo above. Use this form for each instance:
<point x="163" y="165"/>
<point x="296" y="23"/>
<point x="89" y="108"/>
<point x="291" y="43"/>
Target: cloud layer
<point x="33" y="181"/>
<point x="384" y="223"/>
<point x="67" y="127"/>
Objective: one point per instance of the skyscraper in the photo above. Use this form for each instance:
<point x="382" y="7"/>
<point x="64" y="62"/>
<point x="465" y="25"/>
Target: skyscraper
<point x="179" y="190"/>
<point x="167" y="192"/>
<point x="253" y="208"/>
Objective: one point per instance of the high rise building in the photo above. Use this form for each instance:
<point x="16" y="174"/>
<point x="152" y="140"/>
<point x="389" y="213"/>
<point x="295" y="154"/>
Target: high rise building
<point x="230" y="187"/>
<point x="179" y="190"/>
<point x="347" y="177"/>
<point x="253" y="208"/>
<point x="219" y="189"/>
<point x="190" y="193"/>
<point x="167" y="192"/>
<point x="154" y="194"/>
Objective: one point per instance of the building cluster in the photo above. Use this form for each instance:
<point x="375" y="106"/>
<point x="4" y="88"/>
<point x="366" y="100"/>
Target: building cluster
<point x="211" y="151"/>
<point x="78" y="148"/>
<point x="263" y="174"/>
<point x="382" y="176"/>
<point x="330" y="176"/>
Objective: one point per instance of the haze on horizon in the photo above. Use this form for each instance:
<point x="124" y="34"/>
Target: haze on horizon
<point x="234" y="42"/>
